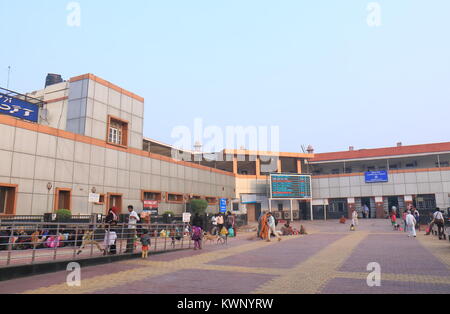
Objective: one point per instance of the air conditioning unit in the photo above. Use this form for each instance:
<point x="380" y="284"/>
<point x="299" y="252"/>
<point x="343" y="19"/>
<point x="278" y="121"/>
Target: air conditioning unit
<point x="287" y="215"/>
<point x="296" y="215"/>
<point x="278" y="215"/>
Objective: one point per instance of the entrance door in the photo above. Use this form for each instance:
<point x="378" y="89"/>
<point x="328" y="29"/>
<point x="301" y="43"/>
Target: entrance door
<point x="305" y="210"/>
<point x="253" y="211"/>
<point x="63" y="199"/>
<point x="366" y="203"/>
<point x="393" y="202"/>
<point x="115" y="201"/>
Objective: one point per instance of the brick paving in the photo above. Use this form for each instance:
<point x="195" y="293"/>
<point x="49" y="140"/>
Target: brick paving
<point x="329" y="260"/>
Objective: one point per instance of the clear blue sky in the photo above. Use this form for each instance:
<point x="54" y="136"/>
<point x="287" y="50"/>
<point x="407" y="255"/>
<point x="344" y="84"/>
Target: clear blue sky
<point x="313" y="67"/>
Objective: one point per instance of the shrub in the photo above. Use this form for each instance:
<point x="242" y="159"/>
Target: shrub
<point x="199" y="206"/>
<point x="63" y="215"/>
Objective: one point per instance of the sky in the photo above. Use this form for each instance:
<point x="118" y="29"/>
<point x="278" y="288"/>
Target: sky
<point x="314" y="68"/>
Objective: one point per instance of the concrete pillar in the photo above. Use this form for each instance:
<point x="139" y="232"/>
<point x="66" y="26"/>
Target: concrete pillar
<point x="258" y="167"/>
<point x="299" y="166"/>
<point x="235" y="165"/>
<point x="279" y="166"/>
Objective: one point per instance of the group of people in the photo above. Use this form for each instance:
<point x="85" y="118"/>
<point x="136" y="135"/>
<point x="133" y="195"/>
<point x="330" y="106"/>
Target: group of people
<point x="411" y="221"/>
<point x="223" y="225"/>
<point x="267" y="228"/>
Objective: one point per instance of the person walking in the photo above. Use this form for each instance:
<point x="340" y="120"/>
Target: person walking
<point x="355" y="221"/>
<point x="411" y="224"/>
<point x="214" y="225"/>
<point x="133" y="219"/>
<point x="272" y="228"/>
<point x="416" y="215"/>
<point x="404" y="215"/>
<point x="197" y="231"/>
<point x="220" y="222"/>
<point x="438" y="219"/>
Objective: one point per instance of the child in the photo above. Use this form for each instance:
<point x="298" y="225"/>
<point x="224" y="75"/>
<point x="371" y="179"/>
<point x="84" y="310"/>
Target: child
<point x="197" y="235"/>
<point x="145" y="240"/>
<point x="110" y="242"/>
<point x="394" y="221"/>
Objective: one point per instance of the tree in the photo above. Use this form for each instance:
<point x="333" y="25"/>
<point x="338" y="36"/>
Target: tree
<point x="198" y="206"/>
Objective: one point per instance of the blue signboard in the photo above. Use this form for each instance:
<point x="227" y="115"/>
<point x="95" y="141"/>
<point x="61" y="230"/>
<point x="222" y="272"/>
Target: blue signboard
<point x="223" y="205"/>
<point x="19" y="108"/>
<point x="377" y="176"/>
<point x="291" y="187"/>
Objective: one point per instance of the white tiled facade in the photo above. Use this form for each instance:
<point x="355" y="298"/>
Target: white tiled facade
<point x="32" y="159"/>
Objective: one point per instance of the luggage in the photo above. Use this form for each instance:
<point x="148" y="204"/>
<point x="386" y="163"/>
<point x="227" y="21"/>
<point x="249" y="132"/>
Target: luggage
<point x="231" y="233"/>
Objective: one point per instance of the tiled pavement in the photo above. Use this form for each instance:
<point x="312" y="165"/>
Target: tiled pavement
<point x="330" y="259"/>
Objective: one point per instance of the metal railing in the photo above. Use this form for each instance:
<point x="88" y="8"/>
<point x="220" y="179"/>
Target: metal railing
<point x="25" y="243"/>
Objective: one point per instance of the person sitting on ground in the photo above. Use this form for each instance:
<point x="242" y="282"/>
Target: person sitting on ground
<point x="287" y="229"/>
<point x="303" y="230"/>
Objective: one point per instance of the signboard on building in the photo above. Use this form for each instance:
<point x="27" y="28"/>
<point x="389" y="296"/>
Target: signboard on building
<point x="223" y="205"/>
<point x="18" y="108"/>
<point x="377" y="176"/>
<point x="151" y="204"/>
<point x="286" y="186"/>
<point x="187" y="217"/>
<point x="94" y="198"/>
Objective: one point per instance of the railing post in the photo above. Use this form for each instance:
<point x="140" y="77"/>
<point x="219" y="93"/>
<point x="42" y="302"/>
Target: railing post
<point x="121" y="240"/>
<point x="11" y="236"/>
<point x="57" y="242"/>
<point x="34" y="245"/>
<point x="75" y="243"/>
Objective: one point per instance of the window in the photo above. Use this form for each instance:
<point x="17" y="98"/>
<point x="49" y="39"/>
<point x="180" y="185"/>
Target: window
<point x="236" y="207"/>
<point x="117" y="131"/>
<point x="175" y="198"/>
<point x="63" y="199"/>
<point x="7" y="199"/>
<point x="335" y="171"/>
<point x="151" y="196"/>
<point x="280" y="207"/>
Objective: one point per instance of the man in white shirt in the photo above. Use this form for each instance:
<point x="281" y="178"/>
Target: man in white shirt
<point x="411" y="225"/>
<point x="355" y="218"/>
<point x="133" y="219"/>
<point x="438" y="219"/>
<point x="272" y="228"/>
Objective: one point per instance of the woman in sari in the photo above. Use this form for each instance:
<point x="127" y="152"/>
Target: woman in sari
<point x="264" y="231"/>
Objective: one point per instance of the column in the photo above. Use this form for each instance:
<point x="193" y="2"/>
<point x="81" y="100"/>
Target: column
<point x="299" y="166"/>
<point x="235" y="165"/>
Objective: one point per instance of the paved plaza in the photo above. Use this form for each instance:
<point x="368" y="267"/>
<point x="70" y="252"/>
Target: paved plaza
<point x="331" y="259"/>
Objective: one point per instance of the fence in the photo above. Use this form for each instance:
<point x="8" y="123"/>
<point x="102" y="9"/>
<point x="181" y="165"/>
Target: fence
<point x="25" y="243"/>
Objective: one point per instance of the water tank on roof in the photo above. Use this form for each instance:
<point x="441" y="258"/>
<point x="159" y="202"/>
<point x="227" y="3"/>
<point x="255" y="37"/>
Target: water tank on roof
<point x="53" y="79"/>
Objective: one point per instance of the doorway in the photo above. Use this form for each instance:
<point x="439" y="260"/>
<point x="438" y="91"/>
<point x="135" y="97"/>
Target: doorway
<point x="63" y="199"/>
<point x="366" y="208"/>
<point x="115" y="201"/>
<point x="305" y="210"/>
<point x="393" y="202"/>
